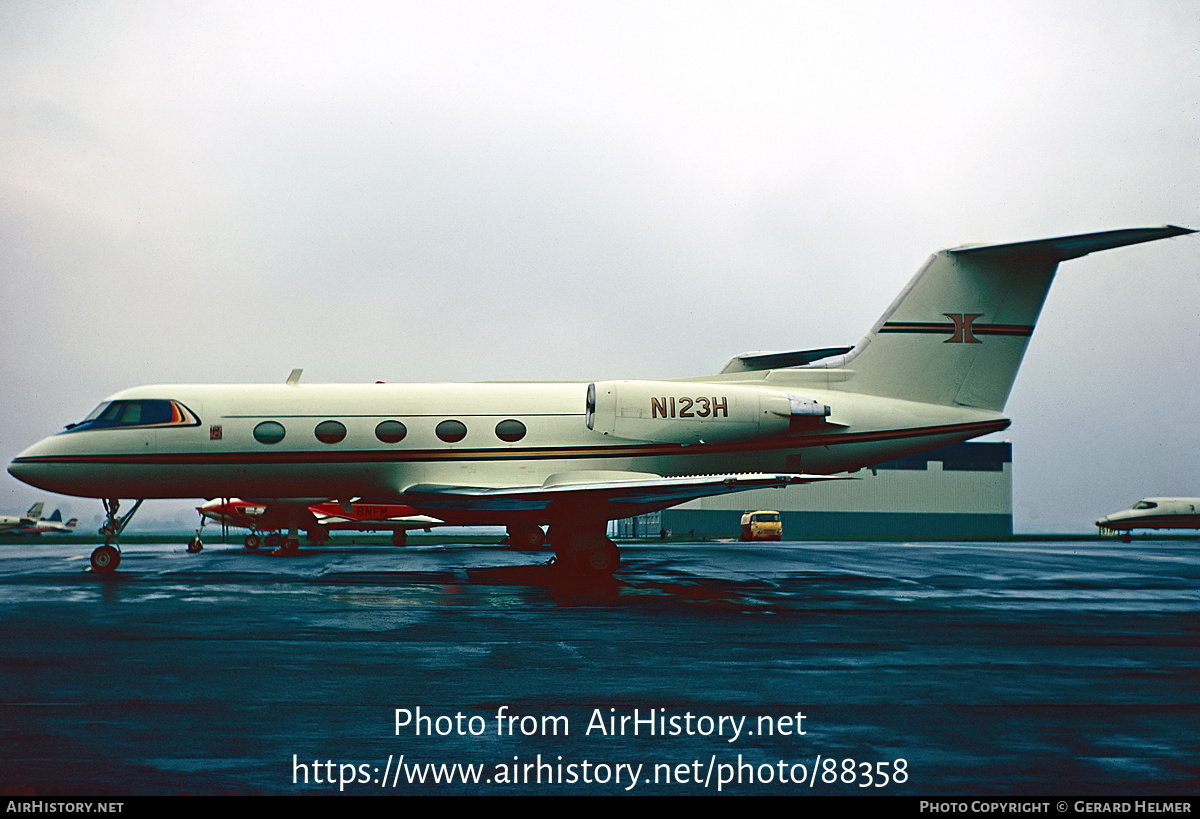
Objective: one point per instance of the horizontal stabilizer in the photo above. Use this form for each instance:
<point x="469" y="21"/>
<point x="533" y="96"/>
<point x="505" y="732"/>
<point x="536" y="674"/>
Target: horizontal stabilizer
<point x="1072" y="247"/>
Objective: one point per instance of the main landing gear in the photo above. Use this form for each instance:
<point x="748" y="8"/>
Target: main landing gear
<point x="526" y="536"/>
<point x="107" y="558"/>
<point x="584" y="552"/>
<point x="276" y="542"/>
<point x="281" y="544"/>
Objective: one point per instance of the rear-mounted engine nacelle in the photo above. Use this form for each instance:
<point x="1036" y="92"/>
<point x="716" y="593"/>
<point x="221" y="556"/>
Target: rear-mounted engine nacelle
<point x="693" y="412"/>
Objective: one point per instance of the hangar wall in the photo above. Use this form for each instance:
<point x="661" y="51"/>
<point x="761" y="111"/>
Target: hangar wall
<point x="958" y="492"/>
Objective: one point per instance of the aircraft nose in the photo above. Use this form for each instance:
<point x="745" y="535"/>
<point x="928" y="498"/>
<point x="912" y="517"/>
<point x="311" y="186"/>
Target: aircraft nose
<point x="23" y="472"/>
<point x="28" y="467"/>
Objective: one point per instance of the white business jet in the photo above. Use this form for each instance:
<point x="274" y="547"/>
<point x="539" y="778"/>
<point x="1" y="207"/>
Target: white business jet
<point x="1152" y="513"/>
<point x="936" y="369"/>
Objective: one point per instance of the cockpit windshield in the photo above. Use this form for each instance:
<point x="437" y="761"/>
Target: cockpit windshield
<point x="146" y="413"/>
<point x="1145" y="505"/>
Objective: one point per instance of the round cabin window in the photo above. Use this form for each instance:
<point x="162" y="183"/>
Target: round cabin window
<point x="330" y="432"/>
<point x="269" y="432"/>
<point x="391" y="432"/>
<point x="510" y="430"/>
<point x="451" y="431"/>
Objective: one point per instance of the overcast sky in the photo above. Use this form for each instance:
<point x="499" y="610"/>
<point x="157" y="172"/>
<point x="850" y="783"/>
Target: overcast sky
<point x="415" y="191"/>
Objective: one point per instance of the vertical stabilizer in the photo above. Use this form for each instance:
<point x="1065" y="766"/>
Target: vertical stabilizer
<point x="956" y="335"/>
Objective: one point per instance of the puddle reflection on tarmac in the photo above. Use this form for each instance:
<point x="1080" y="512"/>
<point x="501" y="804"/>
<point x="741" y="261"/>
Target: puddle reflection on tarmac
<point x="1015" y="668"/>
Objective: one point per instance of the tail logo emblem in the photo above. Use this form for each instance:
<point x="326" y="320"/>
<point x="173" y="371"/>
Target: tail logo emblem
<point x="962" y="328"/>
<point x="963" y="334"/>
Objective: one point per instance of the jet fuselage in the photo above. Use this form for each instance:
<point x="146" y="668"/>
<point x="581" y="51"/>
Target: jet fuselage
<point x="324" y="441"/>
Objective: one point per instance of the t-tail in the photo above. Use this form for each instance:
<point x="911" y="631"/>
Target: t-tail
<point x="958" y="331"/>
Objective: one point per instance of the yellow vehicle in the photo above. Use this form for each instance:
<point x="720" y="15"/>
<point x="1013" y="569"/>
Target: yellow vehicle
<point x="762" y="526"/>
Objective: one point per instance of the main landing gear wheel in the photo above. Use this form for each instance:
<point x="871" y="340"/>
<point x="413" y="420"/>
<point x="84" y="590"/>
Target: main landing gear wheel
<point x="601" y="561"/>
<point x="399" y="538"/>
<point x="105" y="559"/>
<point x="273" y="540"/>
<point x="585" y="553"/>
<point x="288" y="546"/>
<point x="195" y="545"/>
<point x="526" y="537"/>
<point x="252" y="542"/>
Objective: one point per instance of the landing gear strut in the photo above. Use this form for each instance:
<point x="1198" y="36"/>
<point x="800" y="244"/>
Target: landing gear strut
<point x="196" y="545"/>
<point x="106" y="558"/>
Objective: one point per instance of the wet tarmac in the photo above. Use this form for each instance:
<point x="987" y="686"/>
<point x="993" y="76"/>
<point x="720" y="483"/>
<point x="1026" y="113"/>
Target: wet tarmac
<point x="794" y="668"/>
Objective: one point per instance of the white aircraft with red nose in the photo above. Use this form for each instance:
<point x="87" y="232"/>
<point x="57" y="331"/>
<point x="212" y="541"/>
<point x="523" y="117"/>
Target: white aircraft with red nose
<point x="265" y="520"/>
<point x="13" y="524"/>
<point x="935" y="369"/>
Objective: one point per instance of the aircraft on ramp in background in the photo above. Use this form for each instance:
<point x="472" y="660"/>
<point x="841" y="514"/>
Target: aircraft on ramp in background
<point x="1153" y="513"/>
<point x="32" y="522"/>
<point x="51" y="525"/>
<point x="13" y="524"/>
<point x="265" y="520"/>
<point x="936" y="369"/>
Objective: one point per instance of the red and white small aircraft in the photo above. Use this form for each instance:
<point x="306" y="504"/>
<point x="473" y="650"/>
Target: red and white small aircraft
<point x="32" y="522"/>
<point x="265" y="521"/>
<point x="15" y="524"/>
<point x="51" y="525"/>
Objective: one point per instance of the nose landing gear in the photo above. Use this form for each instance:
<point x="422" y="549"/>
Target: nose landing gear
<point x="106" y="558"/>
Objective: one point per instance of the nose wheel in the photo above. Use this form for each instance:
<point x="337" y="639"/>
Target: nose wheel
<point x="105" y="559"/>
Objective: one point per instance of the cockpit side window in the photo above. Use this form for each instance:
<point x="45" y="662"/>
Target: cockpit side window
<point x="157" y="412"/>
<point x="1145" y="505"/>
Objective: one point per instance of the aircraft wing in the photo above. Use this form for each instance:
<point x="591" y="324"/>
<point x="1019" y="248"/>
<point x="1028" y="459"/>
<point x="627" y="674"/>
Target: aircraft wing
<point x="617" y="494"/>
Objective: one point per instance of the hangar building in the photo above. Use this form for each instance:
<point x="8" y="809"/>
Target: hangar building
<point x="958" y="492"/>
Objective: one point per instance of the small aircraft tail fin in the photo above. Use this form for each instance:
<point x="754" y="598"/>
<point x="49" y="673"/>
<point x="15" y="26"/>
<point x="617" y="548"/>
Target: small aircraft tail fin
<point x="56" y="516"/>
<point x="35" y="511"/>
<point x="957" y="333"/>
<point x="72" y="523"/>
